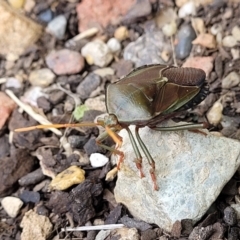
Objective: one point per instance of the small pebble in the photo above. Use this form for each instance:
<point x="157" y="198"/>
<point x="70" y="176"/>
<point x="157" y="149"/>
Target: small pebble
<point x="170" y="29"/>
<point x="32" y="178"/>
<point x="235" y="53"/>
<point x="69" y="177"/>
<point x="165" y="55"/>
<point x="77" y="141"/>
<point x="198" y="25"/>
<point x="114" y="45"/>
<point x="204" y="63"/>
<point x="56" y="97"/>
<point x="98" y="160"/>
<point x="227" y="13"/>
<point x="6" y="107"/>
<point x="230" y="216"/>
<point x="16" y="3"/>
<point x="103" y="72"/>
<point x="13" y="83"/>
<point x="236" y="33"/>
<point x="214" y="115"/>
<point x="46" y="16"/>
<point x="89" y="84"/>
<point x="42" y="210"/>
<point x="229" y="41"/>
<point x="57" y="27"/>
<point x="185" y="37"/>
<point x="231" y="80"/>
<point x="98" y="53"/>
<point x="44" y="104"/>
<point x="29" y="5"/>
<point x="206" y="40"/>
<point x="32" y="94"/>
<point x="11" y="205"/>
<point x="98" y="221"/>
<point x="97" y="103"/>
<point x="165" y="17"/>
<point x="121" y="33"/>
<point x="30" y="196"/>
<point x="41" y="77"/>
<point x="91" y="146"/>
<point x="65" y="61"/>
<point x="187" y="9"/>
<point x="35" y="226"/>
<point x="216" y="28"/>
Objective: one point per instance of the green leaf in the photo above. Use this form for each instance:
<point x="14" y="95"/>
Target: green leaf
<point x="79" y="111"/>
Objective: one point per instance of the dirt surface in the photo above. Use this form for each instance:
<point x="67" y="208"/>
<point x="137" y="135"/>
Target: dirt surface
<point x="31" y="159"/>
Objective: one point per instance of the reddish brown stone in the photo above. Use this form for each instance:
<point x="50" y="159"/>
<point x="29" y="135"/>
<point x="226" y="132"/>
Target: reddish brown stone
<point x="6" y="107"/>
<point x="104" y="12"/>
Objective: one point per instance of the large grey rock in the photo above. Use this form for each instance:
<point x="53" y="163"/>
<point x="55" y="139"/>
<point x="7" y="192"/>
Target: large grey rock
<point x="191" y="170"/>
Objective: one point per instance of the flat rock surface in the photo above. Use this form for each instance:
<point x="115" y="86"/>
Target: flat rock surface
<point x="191" y="170"/>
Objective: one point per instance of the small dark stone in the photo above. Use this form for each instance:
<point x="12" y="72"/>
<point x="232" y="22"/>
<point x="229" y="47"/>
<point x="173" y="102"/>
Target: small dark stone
<point x="42" y="210"/>
<point x="88" y="85"/>
<point x="56" y="97"/>
<point x="91" y="235"/>
<point x="218" y="65"/>
<point x="32" y="178"/>
<point x="14" y="167"/>
<point x="83" y="199"/>
<point x="149" y="234"/>
<point x="218" y="231"/>
<point x="77" y="141"/>
<point x="122" y="67"/>
<point x="209" y="220"/>
<point x="4" y="146"/>
<point x="46" y="16"/>
<point x="185" y="37"/>
<point x="201" y="233"/>
<point x="187" y="226"/>
<point x="140" y="9"/>
<point x="133" y="223"/>
<point x="91" y="146"/>
<point x="43" y="103"/>
<point x="114" y="215"/>
<point x="233" y="233"/>
<point x="176" y="229"/>
<point x="230" y="216"/>
<point x="30" y="196"/>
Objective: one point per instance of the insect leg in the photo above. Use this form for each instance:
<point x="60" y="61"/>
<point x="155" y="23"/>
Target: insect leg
<point x="182" y="127"/>
<point x="138" y="159"/>
<point x="149" y="158"/>
<point x="102" y="137"/>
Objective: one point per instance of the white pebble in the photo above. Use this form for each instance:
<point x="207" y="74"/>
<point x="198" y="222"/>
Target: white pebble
<point x="216" y="28"/>
<point x="13" y="83"/>
<point x="41" y="77"/>
<point x="236" y="33"/>
<point x="114" y="45"/>
<point x="214" y="115"/>
<point x="98" y="53"/>
<point x="98" y="160"/>
<point x="235" y="53"/>
<point x="188" y="8"/>
<point x="57" y="27"/>
<point x="231" y="80"/>
<point x="169" y="29"/>
<point x="32" y="94"/>
<point x="229" y="41"/>
<point x="12" y="206"/>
